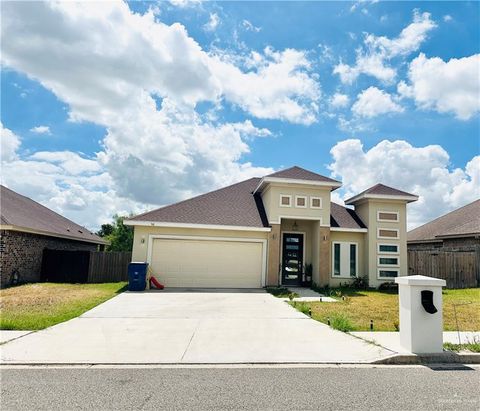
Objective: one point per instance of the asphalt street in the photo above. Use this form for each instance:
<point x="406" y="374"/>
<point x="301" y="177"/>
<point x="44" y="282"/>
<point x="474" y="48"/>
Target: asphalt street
<point x="255" y="388"/>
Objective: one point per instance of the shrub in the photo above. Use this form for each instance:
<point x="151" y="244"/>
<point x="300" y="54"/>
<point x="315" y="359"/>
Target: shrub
<point x="360" y="283"/>
<point x="341" y="322"/>
<point x="388" y="286"/>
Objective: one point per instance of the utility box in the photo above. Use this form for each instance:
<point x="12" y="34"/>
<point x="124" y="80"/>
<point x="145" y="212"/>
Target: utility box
<point x="421" y="314"/>
<point x="137" y="276"/>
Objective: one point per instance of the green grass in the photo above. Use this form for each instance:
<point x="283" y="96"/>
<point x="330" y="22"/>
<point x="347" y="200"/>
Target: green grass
<point x="281" y="292"/>
<point x="473" y="347"/>
<point x="359" y="307"/>
<point x="40" y="305"/>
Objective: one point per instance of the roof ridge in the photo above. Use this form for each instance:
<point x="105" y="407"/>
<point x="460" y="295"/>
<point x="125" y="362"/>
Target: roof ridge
<point x="193" y="198"/>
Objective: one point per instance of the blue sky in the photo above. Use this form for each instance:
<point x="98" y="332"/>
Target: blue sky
<point x="126" y="107"/>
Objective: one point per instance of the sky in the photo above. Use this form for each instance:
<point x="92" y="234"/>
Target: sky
<point x="118" y="107"/>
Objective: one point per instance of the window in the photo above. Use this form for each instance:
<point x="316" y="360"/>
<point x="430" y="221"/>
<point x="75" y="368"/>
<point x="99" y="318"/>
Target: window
<point x="387" y="249"/>
<point x="315" y="202"/>
<point x="285" y="200"/>
<point x="336" y="259"/>
<point x="301" y="201"/>
<point x="353" y="260"/>
<point x="387" y="273"/>
<point x="387" y="216"/>
<point x="387" y="260"/>
<point x="345" y="259"/>
<point x="387" y="233"/>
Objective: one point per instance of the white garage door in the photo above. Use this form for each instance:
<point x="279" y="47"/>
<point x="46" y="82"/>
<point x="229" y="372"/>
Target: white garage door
<point x="207" y="263"/>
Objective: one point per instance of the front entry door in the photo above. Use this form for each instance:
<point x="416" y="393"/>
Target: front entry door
<point x="292" y="258"/>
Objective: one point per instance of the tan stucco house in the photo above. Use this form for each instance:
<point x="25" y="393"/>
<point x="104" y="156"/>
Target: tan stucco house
<point x="267" y="231"/>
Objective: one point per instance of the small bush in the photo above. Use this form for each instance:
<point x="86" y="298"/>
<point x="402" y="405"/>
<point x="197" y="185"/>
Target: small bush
<point x="341" y="322"/>
<point x="281" y="292"/>
<point x="388" y="286"/>
<point x="360" y="283"/>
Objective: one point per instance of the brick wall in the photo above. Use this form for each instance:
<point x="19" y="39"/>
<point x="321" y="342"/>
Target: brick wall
<point x="448" y="243"/>
<point x="23" y="252"/>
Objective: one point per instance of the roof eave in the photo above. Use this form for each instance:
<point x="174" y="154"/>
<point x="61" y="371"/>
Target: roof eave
<point x="51" y="234"/>
<point x="360" y="197"/>
<point x="266" y="180"/>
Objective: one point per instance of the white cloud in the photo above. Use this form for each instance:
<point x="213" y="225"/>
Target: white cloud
<point x="279" y="86"/>
<point x="41" y="130"/>
<point x="250" y="27"/>
<point x="108" y="64"/>
<point x="212" y="23"/>
<point x="185" y="3"/>
<point x="447" y="87"/>
<point x="447" y="18"/>
<point x="9" y="144"/>
<point x="339" y="100"/>
<point x="373" y="102"/>
<point x="70" y="162"/>
<point x="74" y="186"/>
<point x="372" y="59"/>
<point x="423" y="171"/>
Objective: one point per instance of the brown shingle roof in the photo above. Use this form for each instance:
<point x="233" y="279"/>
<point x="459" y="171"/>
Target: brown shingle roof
<point x="343" y="217"/>
<point x="22" y="212"/>
<point x="298" y="173"/>
<point x="380" y="189"/>
<point x="234" y="205"/>
<point x="461" y="222"/>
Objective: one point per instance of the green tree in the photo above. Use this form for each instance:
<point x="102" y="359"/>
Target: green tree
<point x="119" y="235"/>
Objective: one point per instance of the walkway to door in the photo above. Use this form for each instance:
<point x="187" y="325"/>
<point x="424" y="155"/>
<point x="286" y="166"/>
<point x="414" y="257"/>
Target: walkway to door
<point x="227" y="326"/>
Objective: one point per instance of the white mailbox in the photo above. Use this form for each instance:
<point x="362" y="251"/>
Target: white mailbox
<point x="421" y="321"/>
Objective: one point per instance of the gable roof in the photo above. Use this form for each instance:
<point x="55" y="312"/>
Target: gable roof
<point x="382" y="191"/>
<point x="343" y="217"/>
<point x="464" y="221"/>
<point x="234" y="205"/>
<point x="298" y="173"/>
<point x="21" y="213"/>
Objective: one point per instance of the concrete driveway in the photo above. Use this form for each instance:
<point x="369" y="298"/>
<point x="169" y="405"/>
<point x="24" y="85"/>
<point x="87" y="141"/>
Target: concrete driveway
<point x="191" y="327"/>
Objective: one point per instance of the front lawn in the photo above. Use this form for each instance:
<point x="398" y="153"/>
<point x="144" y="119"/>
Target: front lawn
<point x="40" y="305"/>
<point x="359" y="307"/>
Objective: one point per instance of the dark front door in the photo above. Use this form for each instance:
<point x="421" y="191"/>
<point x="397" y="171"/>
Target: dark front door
<point x="292" y="259"/>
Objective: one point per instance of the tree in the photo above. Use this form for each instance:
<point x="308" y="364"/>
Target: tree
<point x="119" y="235"/>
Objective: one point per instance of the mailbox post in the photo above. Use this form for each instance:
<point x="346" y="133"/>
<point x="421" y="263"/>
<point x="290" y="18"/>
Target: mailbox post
<point x="420" y="305"/>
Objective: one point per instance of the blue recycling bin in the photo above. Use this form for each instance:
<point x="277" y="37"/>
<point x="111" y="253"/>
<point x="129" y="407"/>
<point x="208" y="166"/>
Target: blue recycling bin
<point x="137" y="276"/>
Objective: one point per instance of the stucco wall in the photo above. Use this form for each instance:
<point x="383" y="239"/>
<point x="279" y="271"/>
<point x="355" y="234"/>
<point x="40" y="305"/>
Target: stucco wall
<point x="271" y="201"/>
<point x="22" y="252"/>
<point x="349" y="237"/>
<point x="368" y="213"/>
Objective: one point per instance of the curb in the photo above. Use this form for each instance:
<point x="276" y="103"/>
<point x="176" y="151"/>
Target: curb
<point x="442" y="358"/>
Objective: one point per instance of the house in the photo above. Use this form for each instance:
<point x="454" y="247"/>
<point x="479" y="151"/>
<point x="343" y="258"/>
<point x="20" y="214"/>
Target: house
<point x="459" y="228"/>
<point x="27" y="228"/>
<point x="266" y="231"/>
<point x="448" y="247"/>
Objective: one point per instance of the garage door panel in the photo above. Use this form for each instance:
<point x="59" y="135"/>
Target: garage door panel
<point x="207" y="263"/>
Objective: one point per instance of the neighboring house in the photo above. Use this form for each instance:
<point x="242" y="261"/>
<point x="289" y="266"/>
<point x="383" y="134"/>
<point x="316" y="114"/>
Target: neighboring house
<point x="264" y="231"/>
<point x="448" y="247"/>
<point x="27" y="228"/>
<point x="459" y="228"/>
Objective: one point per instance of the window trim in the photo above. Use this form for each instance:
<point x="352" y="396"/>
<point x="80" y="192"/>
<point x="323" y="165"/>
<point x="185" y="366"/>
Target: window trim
<point x="289" y="199"/>
<point x="389" y="229"/>
<point x="299" y="206"/>
<point x="390" y="212"/>
<point x="397" y="270"/>
<point x="316" y="198"/>
<point x="383" y="265"/>
<point x="388" y="252"/>
<point x="332" y="275"/>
